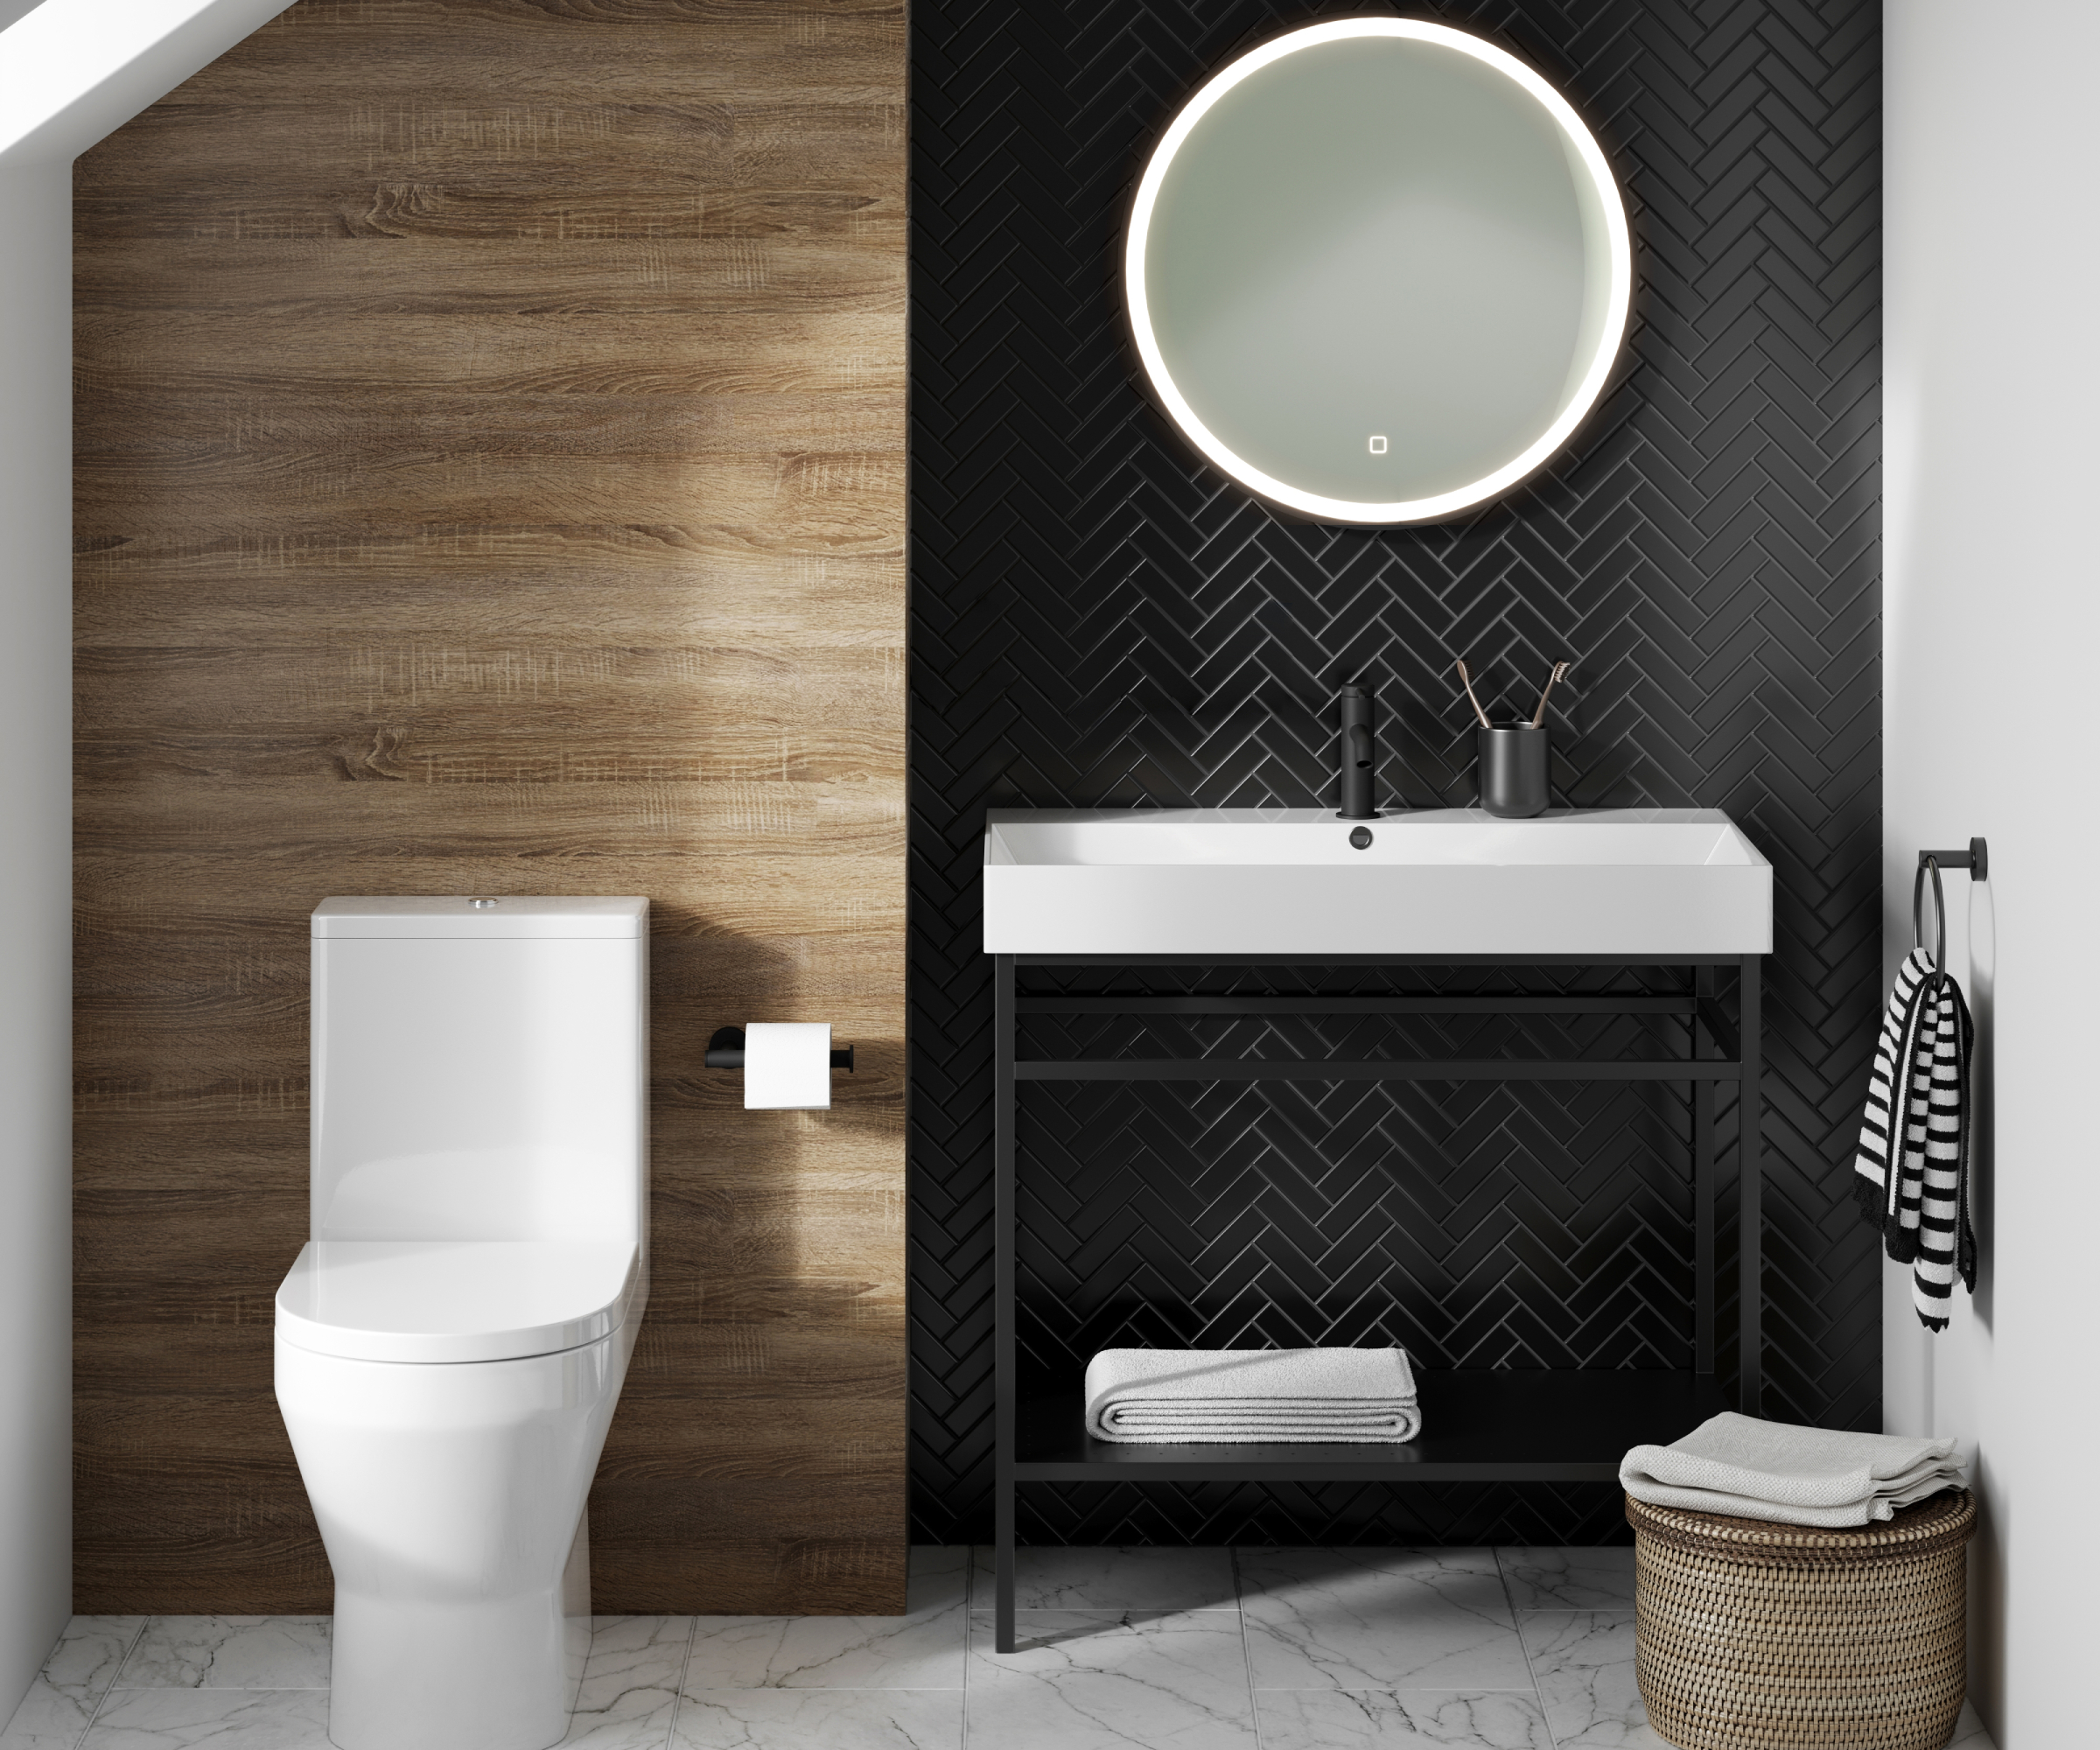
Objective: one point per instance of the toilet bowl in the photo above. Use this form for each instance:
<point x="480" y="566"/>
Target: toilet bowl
<point x="452" y="1343"/>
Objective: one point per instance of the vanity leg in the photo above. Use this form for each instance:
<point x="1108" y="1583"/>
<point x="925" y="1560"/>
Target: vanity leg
<point x="1003" y="1216"/>
<point x="1003" y="1590"/>
<point x="1702" y="1192"/>
<point x="1750" y="1247"/>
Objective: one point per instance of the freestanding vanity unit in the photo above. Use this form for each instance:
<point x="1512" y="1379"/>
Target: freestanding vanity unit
<point x="1652" y="888"/>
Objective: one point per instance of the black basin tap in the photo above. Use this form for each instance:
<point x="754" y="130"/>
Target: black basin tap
<point x="1359" y="754"/>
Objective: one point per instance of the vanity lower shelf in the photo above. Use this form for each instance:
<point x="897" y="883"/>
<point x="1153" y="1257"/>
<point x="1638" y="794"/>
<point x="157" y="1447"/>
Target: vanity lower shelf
<point x="1478" y="1426"/>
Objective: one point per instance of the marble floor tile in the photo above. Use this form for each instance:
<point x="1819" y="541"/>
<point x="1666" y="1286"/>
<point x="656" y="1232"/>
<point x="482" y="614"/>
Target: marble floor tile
<point x="829" y="1652"/>
<point x="229" y="1652"/>
<point x="922" y="1650"/>
<point x="1969" y="1733"/>
<point x="91" y="1651"/>
<point x="217" y="1719"/>
<point x="804" y="1719"/>
<point x="49" y="1718"/>
<point x="1408" y="1719"/>
<point x="631" y="1682"/>
<point x="63" y="1699"/>
<point x="1568" y="1580"/>
<point x="1087" y="1680"/>
<point x="1163" y="1578"/>
<point x="938" y="1576"/>
<point x="1379" y="1620"/>
<point x="1584" y="1662"/>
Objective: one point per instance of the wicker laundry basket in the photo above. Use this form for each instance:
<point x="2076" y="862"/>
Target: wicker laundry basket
<point x="1752" y="1635"/>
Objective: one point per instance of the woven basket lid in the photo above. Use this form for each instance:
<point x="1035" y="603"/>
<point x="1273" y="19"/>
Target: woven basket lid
<point x="1944" y="1522"/>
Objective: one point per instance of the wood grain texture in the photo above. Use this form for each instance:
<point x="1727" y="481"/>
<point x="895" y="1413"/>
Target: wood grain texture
<point x="490" y="471"/>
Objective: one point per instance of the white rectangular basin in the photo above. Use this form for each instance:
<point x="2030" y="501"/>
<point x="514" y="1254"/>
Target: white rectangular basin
<point x="1606" y="883"/>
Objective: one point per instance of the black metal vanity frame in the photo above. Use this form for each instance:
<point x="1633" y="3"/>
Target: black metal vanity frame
<point x="1569" y="1425"/>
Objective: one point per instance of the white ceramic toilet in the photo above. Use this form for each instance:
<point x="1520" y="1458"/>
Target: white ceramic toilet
<point x="451" y="1343"/>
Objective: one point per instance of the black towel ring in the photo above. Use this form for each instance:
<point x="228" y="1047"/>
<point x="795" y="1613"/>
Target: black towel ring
<point x="1977" y="861"/>
<point x="1939" y="913"/>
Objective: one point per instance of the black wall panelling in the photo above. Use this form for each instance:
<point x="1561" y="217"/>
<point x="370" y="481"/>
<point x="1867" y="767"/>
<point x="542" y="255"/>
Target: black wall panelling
<point x="1099" y="619"/>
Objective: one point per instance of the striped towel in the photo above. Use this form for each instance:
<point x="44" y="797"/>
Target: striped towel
<point x="1912" y="1174"/>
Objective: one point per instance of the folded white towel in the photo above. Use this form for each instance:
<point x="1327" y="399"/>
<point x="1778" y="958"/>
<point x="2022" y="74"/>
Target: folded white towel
<point x="1798" y="1476"/>
<point x="1248" y="1397"/>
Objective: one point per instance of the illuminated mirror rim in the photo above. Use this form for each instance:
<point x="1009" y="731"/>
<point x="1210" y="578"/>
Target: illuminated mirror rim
<point x="1619" y="292"/>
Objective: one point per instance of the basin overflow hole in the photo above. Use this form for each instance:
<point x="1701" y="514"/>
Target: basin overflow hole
<point x="1362" y="839"/>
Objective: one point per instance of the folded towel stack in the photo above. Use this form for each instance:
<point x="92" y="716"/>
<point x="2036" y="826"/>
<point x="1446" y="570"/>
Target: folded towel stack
<point x="1799" y="1476"/>
<point x="1250" y="1397"/>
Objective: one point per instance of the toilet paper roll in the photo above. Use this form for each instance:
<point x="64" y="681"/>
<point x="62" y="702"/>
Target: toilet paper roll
<point x="787" y="1067"/>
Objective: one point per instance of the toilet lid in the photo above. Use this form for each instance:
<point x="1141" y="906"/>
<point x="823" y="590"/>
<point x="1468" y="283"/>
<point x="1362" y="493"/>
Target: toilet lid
<point x="455" y="1301"/>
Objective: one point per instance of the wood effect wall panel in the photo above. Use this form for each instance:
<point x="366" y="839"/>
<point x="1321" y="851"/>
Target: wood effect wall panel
<point x="852" y="48"/>
<point x="490" y="451"/>
<point x="694" y="163"/>
<point x="663" y="278"/>
<point x="240" y="1544"/>
<point x="832" y="503"/>
<point x="438" y="422"/>
<point x="420" y="750"/>
<point x="189" y="1257"/>
<point x="602" y="703"/>
<point x="122" y="1145"/>
<point x="782" y="838"/>
<point x="707" y="149"/>
<point x="814" y="353"/>
<point x="416" y="210"/>
<point x="584" y="585"/>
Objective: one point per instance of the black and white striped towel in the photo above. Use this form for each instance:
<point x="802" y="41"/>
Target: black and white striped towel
<point x="1912" y="1174"/>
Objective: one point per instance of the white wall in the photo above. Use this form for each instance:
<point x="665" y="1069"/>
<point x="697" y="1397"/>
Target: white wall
<point x="36" y="899"/>
<point x="71" y="72"/>
<point x="1993" y="454"/>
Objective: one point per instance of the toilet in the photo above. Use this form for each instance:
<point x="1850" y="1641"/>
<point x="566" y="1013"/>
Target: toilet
<point x="452" y="1339"/>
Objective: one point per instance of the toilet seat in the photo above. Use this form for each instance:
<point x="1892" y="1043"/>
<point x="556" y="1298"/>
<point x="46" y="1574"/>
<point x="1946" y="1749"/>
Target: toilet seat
<point x="455" y="1301"/>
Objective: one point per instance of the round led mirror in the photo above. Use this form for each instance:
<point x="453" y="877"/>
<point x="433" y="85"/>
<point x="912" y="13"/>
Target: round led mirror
<point x="1377" y="271"/>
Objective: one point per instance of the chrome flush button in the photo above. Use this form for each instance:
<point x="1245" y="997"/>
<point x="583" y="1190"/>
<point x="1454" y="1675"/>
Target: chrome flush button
<point x="481" y="905"/>
<point x="1362" y="839"/>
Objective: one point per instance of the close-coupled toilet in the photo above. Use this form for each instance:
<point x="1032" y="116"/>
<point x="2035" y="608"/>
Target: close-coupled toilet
<point x="452" y="1340"/>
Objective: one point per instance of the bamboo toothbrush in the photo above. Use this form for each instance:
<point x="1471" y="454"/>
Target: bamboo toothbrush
<point x="1539" y="716"/>
<point x="1467" y="681"/>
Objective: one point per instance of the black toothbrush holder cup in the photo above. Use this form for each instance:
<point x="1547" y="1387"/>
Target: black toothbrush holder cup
<point x="1513" y="762"/>
<point x="1514" y="757"/>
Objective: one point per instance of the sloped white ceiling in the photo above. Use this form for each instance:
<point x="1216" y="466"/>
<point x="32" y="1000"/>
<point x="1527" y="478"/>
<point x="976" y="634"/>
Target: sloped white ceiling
<point x="73" y="71"/>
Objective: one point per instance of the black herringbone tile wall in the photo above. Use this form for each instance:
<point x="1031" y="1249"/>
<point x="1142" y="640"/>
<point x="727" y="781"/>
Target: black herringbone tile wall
<point x="1098" y="619"/>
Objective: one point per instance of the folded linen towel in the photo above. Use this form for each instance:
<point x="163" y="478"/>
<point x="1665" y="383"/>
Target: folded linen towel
<point x="1247" y="1397"/>
<point x="1799" y="1476"/>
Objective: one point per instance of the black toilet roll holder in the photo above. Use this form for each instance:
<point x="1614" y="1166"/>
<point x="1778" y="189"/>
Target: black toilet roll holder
<point x="725" y="1051"/>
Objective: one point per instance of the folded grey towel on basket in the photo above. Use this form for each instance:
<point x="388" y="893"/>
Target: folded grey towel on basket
<point x="1251" y="1396"/>
<point x="1799" y="1476"/>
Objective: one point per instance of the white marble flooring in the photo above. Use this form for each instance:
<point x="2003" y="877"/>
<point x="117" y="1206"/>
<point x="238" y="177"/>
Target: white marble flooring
<point x="1120" y="1649"/>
